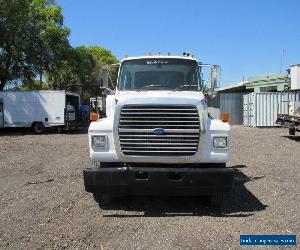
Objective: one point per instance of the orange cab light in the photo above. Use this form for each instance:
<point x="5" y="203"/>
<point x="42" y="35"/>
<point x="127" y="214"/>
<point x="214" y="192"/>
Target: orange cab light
<point x="225" y="117"/>
<point x="94" y="116"/>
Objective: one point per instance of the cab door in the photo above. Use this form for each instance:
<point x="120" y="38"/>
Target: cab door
<point x="1" y="114"/>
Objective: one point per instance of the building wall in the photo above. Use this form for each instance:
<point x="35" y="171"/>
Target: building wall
<point x="232" y="103"/>
<point x="261" y="109"/>
<point x="269" y="82"/>
<point x="229" y="103"/>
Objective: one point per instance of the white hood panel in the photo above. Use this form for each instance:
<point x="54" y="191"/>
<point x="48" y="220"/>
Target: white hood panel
<point x="160" y="97"/>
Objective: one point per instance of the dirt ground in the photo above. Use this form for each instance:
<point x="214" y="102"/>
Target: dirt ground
<point x="44" y="205"/>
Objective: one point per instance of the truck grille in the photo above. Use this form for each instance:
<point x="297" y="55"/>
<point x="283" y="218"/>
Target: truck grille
<point x="179" y="123"/>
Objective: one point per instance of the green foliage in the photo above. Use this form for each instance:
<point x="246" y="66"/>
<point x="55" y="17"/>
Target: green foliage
<point x="81" y="70"/>
<point x="33" y="39"/>
<point x="34" y="42"/>
<point x="34" y="85"/>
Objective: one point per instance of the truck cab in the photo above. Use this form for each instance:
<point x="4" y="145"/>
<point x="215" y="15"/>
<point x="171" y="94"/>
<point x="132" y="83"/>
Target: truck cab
<point x="157" y="137"/>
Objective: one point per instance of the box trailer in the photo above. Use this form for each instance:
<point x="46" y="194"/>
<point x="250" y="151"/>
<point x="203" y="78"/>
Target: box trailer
<point x="39" y="109"/>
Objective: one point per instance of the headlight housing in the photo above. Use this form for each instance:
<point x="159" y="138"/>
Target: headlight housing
<point x="99" y="141"/>
<point x="220" y="142"/>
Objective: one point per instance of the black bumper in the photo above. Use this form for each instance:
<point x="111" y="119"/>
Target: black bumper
<point x="158" y="181"/>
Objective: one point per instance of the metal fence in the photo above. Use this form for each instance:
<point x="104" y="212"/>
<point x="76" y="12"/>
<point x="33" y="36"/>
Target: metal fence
<point x="261" y="109"/>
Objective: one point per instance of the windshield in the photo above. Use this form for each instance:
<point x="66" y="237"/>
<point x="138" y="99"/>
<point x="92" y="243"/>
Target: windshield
<point x="159" y="74"/>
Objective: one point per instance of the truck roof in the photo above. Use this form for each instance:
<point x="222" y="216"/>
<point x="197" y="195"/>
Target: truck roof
<point x="160" y="57"/>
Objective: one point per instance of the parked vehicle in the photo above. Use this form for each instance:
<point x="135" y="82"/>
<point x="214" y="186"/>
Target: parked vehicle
<point x="292" y="119"/>
<point x="157" y="137"/>
<point x="39" y="109"/>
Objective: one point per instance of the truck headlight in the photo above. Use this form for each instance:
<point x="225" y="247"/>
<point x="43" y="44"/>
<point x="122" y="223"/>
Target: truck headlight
<point x="220" y="142"/>
<point x="99" y="141"/>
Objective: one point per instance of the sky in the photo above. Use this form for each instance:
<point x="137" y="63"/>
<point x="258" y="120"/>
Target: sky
<point x="244" y="37"/>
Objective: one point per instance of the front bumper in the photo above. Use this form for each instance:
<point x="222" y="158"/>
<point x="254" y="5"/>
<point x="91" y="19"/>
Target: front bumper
<point x="158" y="180"/>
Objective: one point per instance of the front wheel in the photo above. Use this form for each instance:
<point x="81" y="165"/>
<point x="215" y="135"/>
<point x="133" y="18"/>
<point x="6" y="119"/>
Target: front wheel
<point x="38" y="127"/>
<point x="102" y="199"/>
<point x="292" y="131"/>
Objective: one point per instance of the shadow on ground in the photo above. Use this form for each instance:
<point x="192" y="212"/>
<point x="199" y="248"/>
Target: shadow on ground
<point x="291" y="137"/>
<point x="28" y="131"/>
<point x="239" y="203"/>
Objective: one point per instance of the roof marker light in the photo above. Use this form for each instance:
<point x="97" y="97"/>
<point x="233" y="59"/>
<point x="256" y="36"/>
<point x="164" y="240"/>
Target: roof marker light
<point x="149" y="53"/>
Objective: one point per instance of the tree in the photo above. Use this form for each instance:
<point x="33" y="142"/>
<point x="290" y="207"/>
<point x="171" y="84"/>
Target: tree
<point x="81" y="69"/>
<point x="98" y="58"/>
<point x="33" y="39"/>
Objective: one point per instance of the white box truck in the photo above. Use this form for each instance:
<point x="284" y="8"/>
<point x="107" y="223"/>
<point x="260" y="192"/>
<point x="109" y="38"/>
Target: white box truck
<point x="39" y="109"/>
<point x="158" y="138"/>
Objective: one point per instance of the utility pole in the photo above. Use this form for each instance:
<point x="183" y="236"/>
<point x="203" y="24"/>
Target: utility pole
<point x="281" y="59"/>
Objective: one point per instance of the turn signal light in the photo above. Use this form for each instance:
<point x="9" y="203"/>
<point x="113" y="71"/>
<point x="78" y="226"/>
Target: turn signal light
<point x="225" y="117"/>
<point x="94" y="116"/>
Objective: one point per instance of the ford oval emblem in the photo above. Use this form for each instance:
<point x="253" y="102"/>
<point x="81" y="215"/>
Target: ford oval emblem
<point x="159" y="131"/>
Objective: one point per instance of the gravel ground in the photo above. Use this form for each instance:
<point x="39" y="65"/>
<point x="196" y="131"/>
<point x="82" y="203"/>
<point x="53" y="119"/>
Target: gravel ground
<point x="44" y="205"/>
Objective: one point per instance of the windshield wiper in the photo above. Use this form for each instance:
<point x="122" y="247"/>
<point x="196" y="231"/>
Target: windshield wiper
<point x="185" y="86"/>
<point x="150" y="86"/>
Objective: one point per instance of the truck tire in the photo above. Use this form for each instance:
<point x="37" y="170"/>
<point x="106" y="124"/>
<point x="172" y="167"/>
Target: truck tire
<point x="38" y="127"/>
<point x="102" y="199"/>
<point x="292" y="131"/>
<point x="216" y="200"/>
<point x="59" y="130"/>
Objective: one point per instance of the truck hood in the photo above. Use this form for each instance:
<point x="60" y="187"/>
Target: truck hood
<point x="160" y="97"/>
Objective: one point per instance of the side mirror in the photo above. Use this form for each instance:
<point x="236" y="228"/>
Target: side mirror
<point x="211" y="93"/>
<point x="214" y="80"/>
<point x="107" y="91"/>
<point x="105" y="77"/>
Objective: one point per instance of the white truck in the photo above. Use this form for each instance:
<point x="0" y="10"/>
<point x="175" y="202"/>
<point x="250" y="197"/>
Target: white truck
<point x="157" y="137"/>
<point x="292" y="119"/>
<point x="39" y="109"/>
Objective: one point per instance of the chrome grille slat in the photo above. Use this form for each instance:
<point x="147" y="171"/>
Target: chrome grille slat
<point x="161" y="117"/>
<point x="156" y="125"/>
<point x="175" y="131"/>
<point x="161" y="147"/>
<point x="161" y="109"/>
<point x="180" y="124"/>
<point x="161" y="136"/>
<point x="159" y="139"/>
<point x="158" y="143"/>
<point x="145" y="121"/>
<point x="157" y="113"/>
